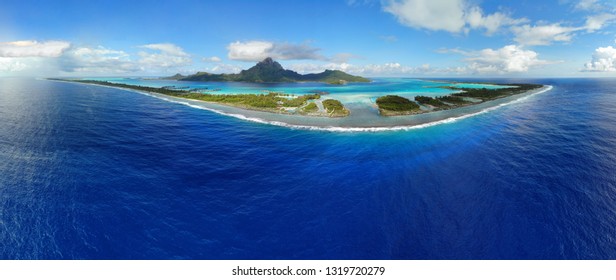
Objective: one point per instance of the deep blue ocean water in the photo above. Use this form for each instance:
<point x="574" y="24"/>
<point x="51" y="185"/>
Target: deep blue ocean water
<point x="99" y="173"/>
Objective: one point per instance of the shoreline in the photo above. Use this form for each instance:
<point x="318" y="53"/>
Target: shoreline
<point x="347" y="124"/>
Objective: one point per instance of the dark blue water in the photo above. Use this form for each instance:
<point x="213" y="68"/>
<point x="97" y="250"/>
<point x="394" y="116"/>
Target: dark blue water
<point x="98" y="173"/>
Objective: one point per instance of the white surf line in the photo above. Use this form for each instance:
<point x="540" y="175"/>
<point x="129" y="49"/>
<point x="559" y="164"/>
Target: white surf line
<point x="337" y="128"/>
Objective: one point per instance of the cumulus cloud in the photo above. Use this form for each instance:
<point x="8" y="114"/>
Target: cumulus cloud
<point x="603" y="60"/>
<point x="164" y="56"/>
<point x="259" y="50"/>
<point x="249" y="51"/>
<point x="447" y="15"/>
<point x="457" y="16"/>
<point x="33" y="48"/>
<point x="543" y="34"/>
<point x="97" y="60"/>
<point x="508" y="59"/>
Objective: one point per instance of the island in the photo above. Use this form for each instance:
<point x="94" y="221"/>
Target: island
<point x="394" y="105"/>
<point x="311" y="103"/>
<point x="270" y="71"/>
<point x="273" y="102"/>
<point x="266" y="71"/>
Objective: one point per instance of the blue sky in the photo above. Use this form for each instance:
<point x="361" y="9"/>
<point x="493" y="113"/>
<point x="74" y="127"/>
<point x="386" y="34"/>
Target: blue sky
<point x="413" y="38"/>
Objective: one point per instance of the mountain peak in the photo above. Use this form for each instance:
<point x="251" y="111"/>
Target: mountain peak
<point x="269" y="63"/>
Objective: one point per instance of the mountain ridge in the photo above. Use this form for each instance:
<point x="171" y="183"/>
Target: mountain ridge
<point x="270" y="71"/>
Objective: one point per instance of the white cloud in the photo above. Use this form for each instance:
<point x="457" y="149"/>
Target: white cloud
<point x="52" y="56"/>
<point x="165" y="56"/>
<point x="448" y="15"/>
<point x="98" y="60"/>
<point x="249" y="51"/>
<point x="33" y="48"/>
<point x="259" y="50"/>
<point x="491" y="23"/>
<point x="445" y="15"/>
<point x="508" y="59"/>
<point x="603" y="60"/>
<point x="212" y="59"/>
<point x="543" y="34"/>
<point x="596" y="22"/>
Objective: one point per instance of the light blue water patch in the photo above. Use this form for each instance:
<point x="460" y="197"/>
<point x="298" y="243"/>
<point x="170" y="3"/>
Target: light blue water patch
<point x="378" y="87"/>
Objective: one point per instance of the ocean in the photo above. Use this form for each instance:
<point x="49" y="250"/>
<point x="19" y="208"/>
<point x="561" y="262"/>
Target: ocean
<point x="91" y="172"/>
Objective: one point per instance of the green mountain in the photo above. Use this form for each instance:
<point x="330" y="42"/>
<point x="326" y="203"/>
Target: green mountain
<point x="177" y="76"/>
<point x="270" y="71"/>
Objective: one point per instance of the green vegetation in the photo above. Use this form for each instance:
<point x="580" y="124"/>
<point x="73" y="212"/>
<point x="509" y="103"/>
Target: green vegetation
<point x="310" y="108"/>
<point x="270" y="71"/>
<point x="334" y="108"/>
<point x="426" y="100"/>
<point x="453" y="100"/>
<point x="489" y="94"/>
<point x="390" y="105"/>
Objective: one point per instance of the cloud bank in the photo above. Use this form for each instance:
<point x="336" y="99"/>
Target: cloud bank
<point x="163" y="57"/>
<point x="33" y="48"/>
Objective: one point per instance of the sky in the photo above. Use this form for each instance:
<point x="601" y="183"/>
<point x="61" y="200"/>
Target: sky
<point x="387" y="38"/>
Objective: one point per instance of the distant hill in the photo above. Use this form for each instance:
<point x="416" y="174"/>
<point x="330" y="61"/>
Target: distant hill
<point x="270" y="71"/>
<point x="177" y="76"/>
